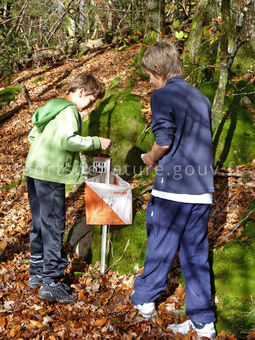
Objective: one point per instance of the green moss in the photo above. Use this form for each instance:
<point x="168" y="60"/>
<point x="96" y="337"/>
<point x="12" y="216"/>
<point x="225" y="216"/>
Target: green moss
<point x="13" y="185"/>
<point x="9" y="94"/>
<point x="80" y="54"/>
<point x="235" y="145"/>
<point x="234" y="139"/>
<point x="245" y="58"/>
<point x="246" y="89"/>
<point x="143" y="181"/>
<point x="126" y="245"/>
<point x="138" y="73"/>
<point x="38" y="79"/>
<point x="150" y="37"/>
<point x="59" y="86"/>
<point x="118" y="116"/>
<point x="208" y="89"/>
<point x="234" y="275"/>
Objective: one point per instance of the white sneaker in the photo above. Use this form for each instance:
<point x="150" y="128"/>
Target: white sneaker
<point x="208" y="330"/>
<point x="148" y="310"/>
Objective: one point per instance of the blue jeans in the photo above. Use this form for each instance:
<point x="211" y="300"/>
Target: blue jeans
<point x="47" y="205"/>
<point x="173" y="226"/>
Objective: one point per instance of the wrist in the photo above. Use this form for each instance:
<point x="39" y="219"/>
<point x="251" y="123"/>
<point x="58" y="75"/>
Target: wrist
<point x="152" y="157"/>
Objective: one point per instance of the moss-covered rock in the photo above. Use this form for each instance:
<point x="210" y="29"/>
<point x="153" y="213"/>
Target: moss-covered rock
<point x="119" y="117"/>
<point x="126" y="245"/>
<point x="8" y="94"/>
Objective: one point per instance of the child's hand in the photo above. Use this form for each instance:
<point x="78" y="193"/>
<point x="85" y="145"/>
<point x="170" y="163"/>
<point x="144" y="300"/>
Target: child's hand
<point x="147" y="159"/>
<point x="105" y="143"/>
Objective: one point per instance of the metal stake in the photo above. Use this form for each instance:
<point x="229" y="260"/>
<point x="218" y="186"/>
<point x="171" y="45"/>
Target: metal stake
<point x="104" y="227"/>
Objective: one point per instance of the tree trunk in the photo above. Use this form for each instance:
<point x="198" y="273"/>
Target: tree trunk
<point x="155" y="20"/>
<point x="7" y="10"/>
<point x="237" y="27"/>
<point x="223" y="56"/>
<point x="200" y="52"/>
<point x="196" y="33"/>
<point x="110" y="16"/>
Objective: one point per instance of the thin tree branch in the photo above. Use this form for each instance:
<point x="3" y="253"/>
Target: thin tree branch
<point x="238" y="225"/>
<point x="117" y="261"/>
<point x="18" y="18"/>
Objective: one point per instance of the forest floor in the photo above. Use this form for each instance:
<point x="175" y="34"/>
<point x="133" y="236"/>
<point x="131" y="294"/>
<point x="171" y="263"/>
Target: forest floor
<point x="103" y="309"/>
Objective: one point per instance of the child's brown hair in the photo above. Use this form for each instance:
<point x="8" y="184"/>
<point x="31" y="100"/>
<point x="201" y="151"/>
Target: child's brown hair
<point x="166" y="56"/>
<point x="89" y="83"/>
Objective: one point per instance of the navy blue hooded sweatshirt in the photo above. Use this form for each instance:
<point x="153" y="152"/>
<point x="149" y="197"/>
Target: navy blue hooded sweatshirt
<point x="181" y="118"/>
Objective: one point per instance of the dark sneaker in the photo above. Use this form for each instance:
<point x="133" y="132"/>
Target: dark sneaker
<point x="55" y="292"/>
<point x="35" y="281"/>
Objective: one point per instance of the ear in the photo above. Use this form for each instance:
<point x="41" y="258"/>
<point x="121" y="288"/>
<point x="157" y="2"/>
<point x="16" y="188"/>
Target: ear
<point x="157" y="69"/>
<point x="82" y="92"/>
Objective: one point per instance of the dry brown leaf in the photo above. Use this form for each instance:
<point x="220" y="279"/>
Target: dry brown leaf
<point x="99" y="322"/>
<point x="36" y="323"/>
<point x="81" y="295"/>
<point x="2" y="322"/>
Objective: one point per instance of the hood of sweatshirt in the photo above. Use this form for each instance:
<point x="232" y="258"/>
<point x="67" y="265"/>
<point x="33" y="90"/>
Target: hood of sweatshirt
<point x="49" y="111"/>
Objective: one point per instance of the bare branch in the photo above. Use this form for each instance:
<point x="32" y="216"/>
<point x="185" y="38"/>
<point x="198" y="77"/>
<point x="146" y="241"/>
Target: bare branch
<point x="117" y="261"/>
<point x="238" y="225"/>
<point x="18" y="19"/>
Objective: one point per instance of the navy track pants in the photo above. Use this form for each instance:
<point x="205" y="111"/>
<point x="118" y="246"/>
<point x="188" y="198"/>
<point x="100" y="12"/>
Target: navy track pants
<point x="173" y="226"/>
<point x="47" y="205"/>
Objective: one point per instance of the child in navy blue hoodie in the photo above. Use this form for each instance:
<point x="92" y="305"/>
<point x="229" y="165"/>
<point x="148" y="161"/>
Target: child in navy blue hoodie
<point x="177" y="213"/>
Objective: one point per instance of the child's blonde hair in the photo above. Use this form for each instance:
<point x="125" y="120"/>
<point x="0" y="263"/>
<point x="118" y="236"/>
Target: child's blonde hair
<point x="89" y="83"/>
<point x="166" y="56"/>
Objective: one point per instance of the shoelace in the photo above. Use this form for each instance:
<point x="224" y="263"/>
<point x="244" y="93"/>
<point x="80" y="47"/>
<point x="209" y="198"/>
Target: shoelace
<point x="66" y="287"/>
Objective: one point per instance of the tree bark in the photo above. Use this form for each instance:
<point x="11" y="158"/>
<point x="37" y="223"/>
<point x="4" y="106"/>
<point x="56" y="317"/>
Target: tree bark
<point x="223" y="56"/>
<point x="155" y="19"/>
<point x="199" y="53"/>
<point x="234" y="32"/>
<point x="196" y="33"/>
<point x="7" y="9"/>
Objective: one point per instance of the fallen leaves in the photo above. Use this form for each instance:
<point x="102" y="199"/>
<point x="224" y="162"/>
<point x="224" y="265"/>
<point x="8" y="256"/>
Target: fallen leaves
<point x="231" y="198"/>
<point x="103" y="309"/>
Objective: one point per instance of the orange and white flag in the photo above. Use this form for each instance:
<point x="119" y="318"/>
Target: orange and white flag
<point x="108" y="204"/>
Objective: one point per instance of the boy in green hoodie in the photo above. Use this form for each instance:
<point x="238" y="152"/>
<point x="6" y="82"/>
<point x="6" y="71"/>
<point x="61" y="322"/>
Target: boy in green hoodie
<point x="53" y="161"/>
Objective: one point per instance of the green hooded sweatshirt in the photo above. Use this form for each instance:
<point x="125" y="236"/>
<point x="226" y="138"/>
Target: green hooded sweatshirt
<point x="56" y="142"/>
